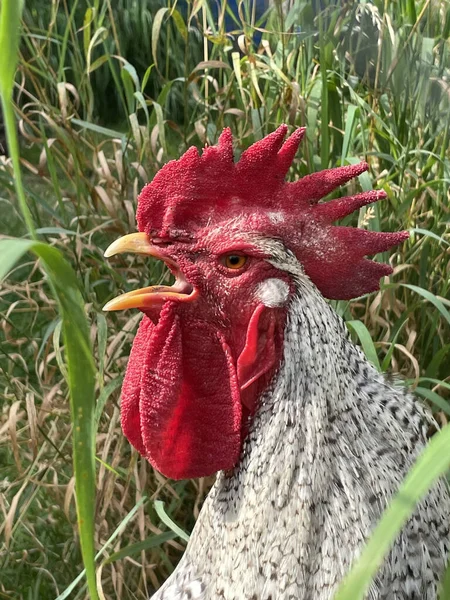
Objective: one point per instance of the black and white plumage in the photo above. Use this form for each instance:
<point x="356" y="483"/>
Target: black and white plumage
<point x="328" y="447"/>
<point x="242" y="367"/>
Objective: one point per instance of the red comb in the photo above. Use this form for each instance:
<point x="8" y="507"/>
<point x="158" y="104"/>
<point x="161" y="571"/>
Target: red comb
<point x="199" y="191"/>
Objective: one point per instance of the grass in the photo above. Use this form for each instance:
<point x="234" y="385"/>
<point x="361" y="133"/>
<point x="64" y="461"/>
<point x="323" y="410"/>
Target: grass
<point x="105" y="93"/>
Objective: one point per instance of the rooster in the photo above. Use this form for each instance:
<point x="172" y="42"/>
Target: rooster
<point x="241" y="367"/>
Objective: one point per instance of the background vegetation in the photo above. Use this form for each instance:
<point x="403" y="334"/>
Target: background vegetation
<point x="105" y="93"/>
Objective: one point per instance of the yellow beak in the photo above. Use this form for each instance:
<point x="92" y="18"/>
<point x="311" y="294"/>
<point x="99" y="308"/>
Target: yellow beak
<point x="181" y="290"/>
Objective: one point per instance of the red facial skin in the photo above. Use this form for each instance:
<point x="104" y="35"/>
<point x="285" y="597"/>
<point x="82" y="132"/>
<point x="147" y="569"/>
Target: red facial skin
<point x="198" y="365"/>
<point x="189" y="194"/>
<point x="197" y="368"/>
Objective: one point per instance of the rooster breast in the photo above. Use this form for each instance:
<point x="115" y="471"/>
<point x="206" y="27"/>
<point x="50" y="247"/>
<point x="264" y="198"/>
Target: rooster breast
<point x="328" y="447"/>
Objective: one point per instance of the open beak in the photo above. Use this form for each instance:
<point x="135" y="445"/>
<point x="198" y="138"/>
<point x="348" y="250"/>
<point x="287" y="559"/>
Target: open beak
<point x="149" y="297"/>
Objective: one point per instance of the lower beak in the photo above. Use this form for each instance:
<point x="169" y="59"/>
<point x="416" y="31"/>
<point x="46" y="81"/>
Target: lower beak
<point x="149" y="297"/>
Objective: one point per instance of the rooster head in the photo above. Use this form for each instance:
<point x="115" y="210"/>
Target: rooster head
<point x="235" y="235"/>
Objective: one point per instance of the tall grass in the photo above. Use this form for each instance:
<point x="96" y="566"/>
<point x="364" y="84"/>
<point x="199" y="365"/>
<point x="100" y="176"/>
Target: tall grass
<point x="79" y="370"/>
<point x="105" y="93"/>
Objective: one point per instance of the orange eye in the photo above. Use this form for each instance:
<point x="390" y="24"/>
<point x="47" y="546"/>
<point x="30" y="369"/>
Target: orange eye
<point x="234" y="261"/>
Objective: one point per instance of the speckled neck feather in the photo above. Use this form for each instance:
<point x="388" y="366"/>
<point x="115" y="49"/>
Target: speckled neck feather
<point x="327" y="449"/>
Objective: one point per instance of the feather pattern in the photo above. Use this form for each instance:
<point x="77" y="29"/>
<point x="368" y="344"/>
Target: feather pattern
<point x="328" y="447"/>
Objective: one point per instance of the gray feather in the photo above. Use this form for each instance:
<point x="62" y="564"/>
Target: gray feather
<point x="330" y="443"/>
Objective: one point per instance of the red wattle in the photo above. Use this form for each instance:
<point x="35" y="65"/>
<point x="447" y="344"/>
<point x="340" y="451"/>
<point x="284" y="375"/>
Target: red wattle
<point x="131" y="389"/>
<point x="181" y="405"/>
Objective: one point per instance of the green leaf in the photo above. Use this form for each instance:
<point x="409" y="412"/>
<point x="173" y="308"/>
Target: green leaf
<point x="387" y="359"/>
<point x="88" y="19"/>
<point x="159" y="507"/>
<point x="98" y="38"/>
<point x="146" y="76"/>
<point x="366" y="342"/>
<point x="160" y="120"/>
<point x="102" y="338"/>
<point x="324" y="108"/>
<point x="430" y="465"/>
<point x="432" y="369"/>
<point x="81" y="381"/>
<point x="98" y="62"/>
<point x="352" y="113"/>
<point x="151" y="542"/>
<point x="431" y="298"/>
<point x="98" y="129"/>
<point x="128" y="85"/>
<point x="106" y="392"/>
<point x="434" y="398"/>
<point x="411" y="11"/>
<point x="10" y="13"/>
<point x="55" y="230"/>
<point x="58" y="352"/>
<point x="235" y="57"/>
<point x="430" y="234"/>
<point x="439" y="382"/>
<point x="122" y="525"/>
<point x="156" y="29"/>
<point x="141" y="100"/>
<point x="180" y="24"/>
<point x="11" y="252"/>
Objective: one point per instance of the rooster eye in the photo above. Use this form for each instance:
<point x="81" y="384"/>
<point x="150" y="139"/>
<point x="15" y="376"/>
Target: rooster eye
<point x="234" y="261"/>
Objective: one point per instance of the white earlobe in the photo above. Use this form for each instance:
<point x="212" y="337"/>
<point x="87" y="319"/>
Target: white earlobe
<point x="273" y="292"/>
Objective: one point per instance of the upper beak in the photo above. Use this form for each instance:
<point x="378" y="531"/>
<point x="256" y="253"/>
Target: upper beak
<point x="181" y="290"/>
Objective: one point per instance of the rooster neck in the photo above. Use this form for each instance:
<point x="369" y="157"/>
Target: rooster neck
<point x="322" y="380"/>
<point x="325" y="430"/>
<point x="326" y="449"/>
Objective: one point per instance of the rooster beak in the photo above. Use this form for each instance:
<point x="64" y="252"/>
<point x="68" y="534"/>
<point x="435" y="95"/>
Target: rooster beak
<point x="153" y="296"/>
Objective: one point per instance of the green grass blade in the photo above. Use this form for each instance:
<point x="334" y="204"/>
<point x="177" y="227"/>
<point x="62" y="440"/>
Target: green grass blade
<point x="435" y="381"/>
<point x="366" y="342"/>
<point x="387" y="359"/>
<point x="11" y="252"/>
<point x="81" y="380"/>
<point x="431" y="464"/>
<point x="65" y="594"/>
<point x="159" y="507"/>
<point x="427" y="233"/>
<point x="102" y="338"/>
<point x="98" y="129"/>
<point x="434" y="398"/>
<point x="156" y="29"/>
<point x="431" y="298"/>
<point x="151" y="542"/>
<point x="10" y="12"/>
<point x="352" y="113"/>
<point x="108" y="389"/>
